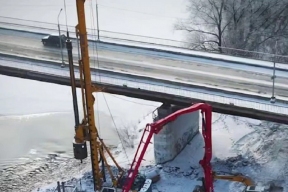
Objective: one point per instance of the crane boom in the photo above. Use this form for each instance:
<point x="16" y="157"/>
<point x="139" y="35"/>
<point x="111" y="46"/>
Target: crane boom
<point x="240" y="178"/>
<point x="156" y="127"/>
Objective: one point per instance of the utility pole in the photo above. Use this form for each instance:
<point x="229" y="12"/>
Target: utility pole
<point x="273" y="98"/>
<point x="60" y="41"/>
<point x="278" y="23"/>
<point x="98" y="31"/>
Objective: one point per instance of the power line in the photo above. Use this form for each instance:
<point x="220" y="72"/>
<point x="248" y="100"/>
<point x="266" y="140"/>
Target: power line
<point x="133" y="101"/>
<point x="65" y="15"/>
<point x="48" y="5"/>
<point x="92" y="24"/>
<point x="139" y="12"/>
<point x="116" y="129"/>
<point x="97" y="59"/>
<point x="109" y="7"/>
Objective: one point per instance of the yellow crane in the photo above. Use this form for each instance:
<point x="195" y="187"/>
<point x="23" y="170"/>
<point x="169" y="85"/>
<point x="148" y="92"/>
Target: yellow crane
<point x="86" y="131"/>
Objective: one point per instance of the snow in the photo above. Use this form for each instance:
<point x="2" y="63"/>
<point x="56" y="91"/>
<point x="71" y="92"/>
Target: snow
<point x="241" y="138"/>
<point x="33" y="107"/>
<point x="260" y="143"/>
<point x="205" y="54"/>
<point x="149" y="157"/>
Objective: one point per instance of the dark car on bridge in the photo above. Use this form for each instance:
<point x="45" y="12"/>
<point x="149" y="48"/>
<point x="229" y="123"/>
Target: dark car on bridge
<point x="54" y="40"/>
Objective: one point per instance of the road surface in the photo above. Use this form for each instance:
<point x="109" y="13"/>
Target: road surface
<point x="194" y="72"/>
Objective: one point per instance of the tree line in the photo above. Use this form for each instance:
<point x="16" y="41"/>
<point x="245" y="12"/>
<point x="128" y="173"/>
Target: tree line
<point x="229" y="26"/>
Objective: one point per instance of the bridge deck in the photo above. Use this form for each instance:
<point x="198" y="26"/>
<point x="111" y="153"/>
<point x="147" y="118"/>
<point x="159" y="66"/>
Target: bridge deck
<point x="156" y="90"/>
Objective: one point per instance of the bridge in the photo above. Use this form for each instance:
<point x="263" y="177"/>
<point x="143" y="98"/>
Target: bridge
<point x="243" y="89"/>
<point x="148" y="88"/>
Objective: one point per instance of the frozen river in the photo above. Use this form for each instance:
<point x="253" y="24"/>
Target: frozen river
<point x="37" y="119"/>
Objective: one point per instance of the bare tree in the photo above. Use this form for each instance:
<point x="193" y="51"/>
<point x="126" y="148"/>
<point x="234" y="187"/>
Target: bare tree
<point x="206" y="23"/>
<point x="252" y="23"/>
<point x="128" y="133"/>
<point x="239" y="24"/>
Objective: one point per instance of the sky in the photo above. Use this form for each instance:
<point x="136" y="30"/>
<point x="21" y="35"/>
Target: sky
<point x="149" y="18"/>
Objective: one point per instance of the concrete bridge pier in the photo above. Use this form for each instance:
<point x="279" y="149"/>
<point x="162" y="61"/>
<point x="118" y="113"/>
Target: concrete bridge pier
<point x="174" y="137"/>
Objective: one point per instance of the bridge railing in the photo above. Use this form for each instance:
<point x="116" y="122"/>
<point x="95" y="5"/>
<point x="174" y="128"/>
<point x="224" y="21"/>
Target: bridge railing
<point x="255" y="55"/>
<point x="110" y="36"/>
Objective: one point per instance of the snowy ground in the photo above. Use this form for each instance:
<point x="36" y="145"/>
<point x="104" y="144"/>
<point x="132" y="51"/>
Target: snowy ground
<point x="240" y="145"/>
<point x="262" y="145"/>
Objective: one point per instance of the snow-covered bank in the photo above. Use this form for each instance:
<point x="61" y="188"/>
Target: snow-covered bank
<point x="236" y="144"/>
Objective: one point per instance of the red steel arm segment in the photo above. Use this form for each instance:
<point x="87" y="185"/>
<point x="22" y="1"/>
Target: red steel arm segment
<point x="156" y="127"/>
<point x="206" y="132"/>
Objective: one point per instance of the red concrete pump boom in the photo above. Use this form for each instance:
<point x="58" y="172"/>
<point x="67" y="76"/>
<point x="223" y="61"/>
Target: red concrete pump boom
<point x="156" y="127"/>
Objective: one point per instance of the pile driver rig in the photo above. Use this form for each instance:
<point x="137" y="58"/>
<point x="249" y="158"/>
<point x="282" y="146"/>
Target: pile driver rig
<point x="86" y="131"/>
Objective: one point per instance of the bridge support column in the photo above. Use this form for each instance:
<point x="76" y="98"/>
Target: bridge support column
<point x="174" y="137"/>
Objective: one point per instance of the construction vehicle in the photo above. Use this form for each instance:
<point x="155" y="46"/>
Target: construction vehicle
<point x="209" y="176"/>
<point x="238" y="177"/>
<point x="250" y="185"/>
<point x="86" y="131"/>
<point x="156" y="127"/>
